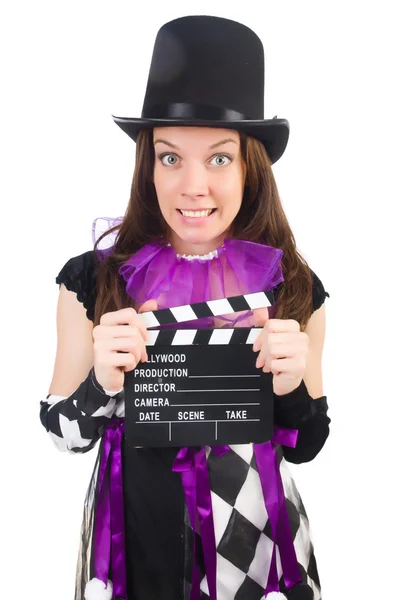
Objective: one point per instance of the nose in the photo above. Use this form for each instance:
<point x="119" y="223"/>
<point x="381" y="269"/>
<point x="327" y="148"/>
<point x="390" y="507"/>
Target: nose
<point x="194" y="181"/>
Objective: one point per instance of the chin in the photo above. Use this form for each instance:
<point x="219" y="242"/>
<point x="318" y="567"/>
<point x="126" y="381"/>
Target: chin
<point x="196" y="238"/>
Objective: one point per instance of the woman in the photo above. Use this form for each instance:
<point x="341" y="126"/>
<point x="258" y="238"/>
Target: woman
<point x="204" y="221"/>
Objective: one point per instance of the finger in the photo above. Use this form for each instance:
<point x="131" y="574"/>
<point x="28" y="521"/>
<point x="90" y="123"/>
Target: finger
<point x="125" y="337"/>
<point x="118" y="317"/>
<point x="126" y="360"/>
<point x="263" y="355"/>
<point x="125" y="316"/>
<point x="262" y="358"/>
<point x="137" y="350"/>
<point x="282" y="350"/>
<point x="282" y="325"/>
<point x="261" y="316"/>
<point x="292" y="338"/>
<point x="148" y="306"/>
<point x="142" y="328"/>
<point x="257" y="345"/>
<point x="140" y="336"/>
<point x="286" y="366"/>
<point x="121" y="331"/>
<point x="125" y="343"/>
<point x="144" y="356"/>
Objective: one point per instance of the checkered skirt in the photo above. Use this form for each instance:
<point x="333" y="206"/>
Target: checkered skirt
<point x="243" y="534"/>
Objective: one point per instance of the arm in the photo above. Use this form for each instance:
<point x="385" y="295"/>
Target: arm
<point x="77" y="407"/>
<point x="306" y="407"/>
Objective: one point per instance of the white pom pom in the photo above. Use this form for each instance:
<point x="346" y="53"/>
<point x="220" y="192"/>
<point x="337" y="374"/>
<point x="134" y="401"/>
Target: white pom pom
<point x="96" y="590"/>
<point x="275" y="596"/>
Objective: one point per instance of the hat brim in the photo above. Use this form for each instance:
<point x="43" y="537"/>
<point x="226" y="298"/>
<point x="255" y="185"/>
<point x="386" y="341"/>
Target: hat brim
<point x="273" y="133"/>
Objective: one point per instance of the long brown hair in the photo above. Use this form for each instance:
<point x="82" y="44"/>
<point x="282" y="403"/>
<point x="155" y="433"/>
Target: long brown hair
<point x="261" y="219"/>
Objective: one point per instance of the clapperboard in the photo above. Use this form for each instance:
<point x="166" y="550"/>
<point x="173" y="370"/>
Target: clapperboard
<point x="200" y="386"/>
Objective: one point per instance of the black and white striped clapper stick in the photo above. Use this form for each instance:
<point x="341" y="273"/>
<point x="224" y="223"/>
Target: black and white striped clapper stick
<point x="212" y="308"/>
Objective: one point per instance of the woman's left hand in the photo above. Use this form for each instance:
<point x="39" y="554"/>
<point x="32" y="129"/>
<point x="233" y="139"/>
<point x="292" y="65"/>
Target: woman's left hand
<point x="283" y="349"/>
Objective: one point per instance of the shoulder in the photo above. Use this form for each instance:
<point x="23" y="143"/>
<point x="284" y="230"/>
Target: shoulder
<point x="318" y="291"/>
<point x="79" y="275"/>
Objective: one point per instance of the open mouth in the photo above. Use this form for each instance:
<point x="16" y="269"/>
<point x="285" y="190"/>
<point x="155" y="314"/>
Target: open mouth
<point x="197" y="213"/>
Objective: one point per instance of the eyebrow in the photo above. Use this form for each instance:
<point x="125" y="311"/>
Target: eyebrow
<point x="211" y="147"/>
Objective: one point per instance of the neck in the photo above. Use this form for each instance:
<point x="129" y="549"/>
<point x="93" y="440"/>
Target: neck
<point x="186" y="248"/>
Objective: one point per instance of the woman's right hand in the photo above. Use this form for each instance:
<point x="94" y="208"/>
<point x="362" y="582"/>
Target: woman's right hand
<point x="119" y="345"/>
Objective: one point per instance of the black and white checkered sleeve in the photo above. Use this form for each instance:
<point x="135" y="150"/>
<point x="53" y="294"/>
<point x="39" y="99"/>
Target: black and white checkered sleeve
<point x="75" y="423"/>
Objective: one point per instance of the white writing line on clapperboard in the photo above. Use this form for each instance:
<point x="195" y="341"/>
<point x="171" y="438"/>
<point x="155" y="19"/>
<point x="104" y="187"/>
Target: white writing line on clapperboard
<point x="227" y="390"/>
<point x="215" y="376"/>
<point x="195" y="421"/>
<point x="222" y="404"/>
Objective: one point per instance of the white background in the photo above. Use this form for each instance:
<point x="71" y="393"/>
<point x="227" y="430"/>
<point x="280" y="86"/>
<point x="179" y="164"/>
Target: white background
<point x="330" y="70"/>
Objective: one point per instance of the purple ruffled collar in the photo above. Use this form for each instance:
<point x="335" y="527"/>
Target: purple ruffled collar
<point x="237" y="267"/>
<point x="157" y="271"/>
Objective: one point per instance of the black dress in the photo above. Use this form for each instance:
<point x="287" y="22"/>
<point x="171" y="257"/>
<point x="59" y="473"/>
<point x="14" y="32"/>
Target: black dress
<point x="157" y="529"/>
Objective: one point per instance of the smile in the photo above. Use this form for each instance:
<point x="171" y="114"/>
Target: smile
<point x="196" y="213"/>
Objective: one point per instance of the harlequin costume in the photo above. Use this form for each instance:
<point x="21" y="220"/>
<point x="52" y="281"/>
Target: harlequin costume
<point x="139" y="536"/>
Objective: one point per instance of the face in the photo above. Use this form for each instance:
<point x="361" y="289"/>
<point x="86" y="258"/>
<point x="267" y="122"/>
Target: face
<point x="199" y="179"/>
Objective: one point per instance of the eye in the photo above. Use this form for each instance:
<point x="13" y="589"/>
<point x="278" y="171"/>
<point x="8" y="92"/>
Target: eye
<point x="169" y="156"/>
<point x="219" y="158"/>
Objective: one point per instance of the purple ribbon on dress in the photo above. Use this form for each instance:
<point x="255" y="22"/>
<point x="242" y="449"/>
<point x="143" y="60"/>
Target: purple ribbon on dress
<point x="109" y="536"/>
<point x="273" y="494"/>
<point x="191" y="463"/>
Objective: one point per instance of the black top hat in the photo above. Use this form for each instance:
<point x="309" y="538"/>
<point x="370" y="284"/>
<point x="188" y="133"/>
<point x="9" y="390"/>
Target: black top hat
<point x="208" y="71"/>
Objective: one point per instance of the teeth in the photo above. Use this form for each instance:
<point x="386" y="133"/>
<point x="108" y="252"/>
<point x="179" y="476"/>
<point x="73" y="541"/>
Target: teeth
<point x="196" y="213"/>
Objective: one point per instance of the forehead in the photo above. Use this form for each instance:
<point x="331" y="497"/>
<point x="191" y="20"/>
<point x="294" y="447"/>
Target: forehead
<point x="197" y="136"/>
